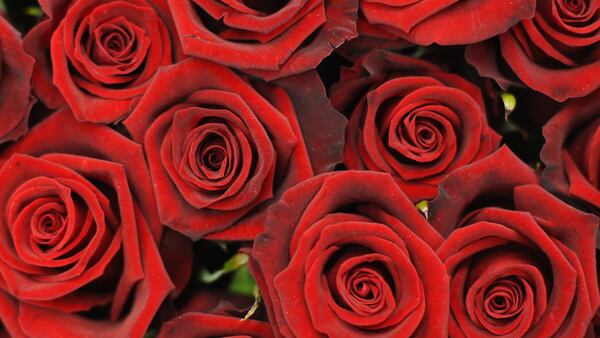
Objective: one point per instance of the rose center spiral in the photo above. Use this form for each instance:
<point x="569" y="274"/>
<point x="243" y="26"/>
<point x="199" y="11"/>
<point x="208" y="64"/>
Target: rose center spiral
<point x="504" y="298"/>
<point x="47" y="222"/>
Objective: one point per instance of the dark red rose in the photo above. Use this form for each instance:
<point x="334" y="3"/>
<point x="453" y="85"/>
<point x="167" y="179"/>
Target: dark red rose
<point x="15" y="88"/>
<point x="522" y="262"/>
<point x="213" y="314"/>
<point x="556" y="52"/>
<point x="78" y="234"/>
<point x="266" y="38"/>
<point x="450" y="22"/>
<point x="100" y="55"/>
<point x="346" y="254"/>
<point x="220" y="148"/>
<point x="571" y="153"/>
<point x="412" y="120"/>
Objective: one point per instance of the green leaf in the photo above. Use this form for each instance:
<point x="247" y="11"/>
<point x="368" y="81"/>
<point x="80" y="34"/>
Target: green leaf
<point x="237" y="261"/>
<point x="2" y="6"/>
<point x="242" y="282"/>
<point x="34" y="11"/>
<point x="423" y="207"/>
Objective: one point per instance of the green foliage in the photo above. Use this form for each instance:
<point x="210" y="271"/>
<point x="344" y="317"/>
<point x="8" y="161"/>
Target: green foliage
<point x="234" y="263"/>
<point x="242" y="282"/>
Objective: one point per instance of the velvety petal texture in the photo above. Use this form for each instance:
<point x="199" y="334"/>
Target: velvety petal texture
<point x="98" y="56"/>
<point x="78" y="234"/>
<point x="571" y="154"/>
<point x="411" y="119"/>
<point x="522" y="262"/>
<point x="211" y="314"/>
<point x="557" y="52"/>
<point x="445" y="22"/>
<point x="266" y="38"/>
<point x="222" y="148"/>
<point x="346" y="254"/>
<point x="16" y="68"/>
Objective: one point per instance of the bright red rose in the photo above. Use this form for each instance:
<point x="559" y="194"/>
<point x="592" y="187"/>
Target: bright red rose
<point x="557" y="52"/>
<point x="78" y="234"/>
<point x="411" y="119"/>
<point x="100" y="55"/>
<point x="221" y="149"/>
<point x="16" y="67"/>
<point x="571" y="154"/>
<point x="448" y="22"/>
<point x="346" y="254"/>
<point x="522" y="263"/>
<point x="266" y="38"/>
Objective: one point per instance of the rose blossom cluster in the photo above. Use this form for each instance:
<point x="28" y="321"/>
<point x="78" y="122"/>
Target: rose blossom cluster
<point x="300" y="168"/>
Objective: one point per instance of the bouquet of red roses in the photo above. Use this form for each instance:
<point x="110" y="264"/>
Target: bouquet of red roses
<point x="299" y="168"/>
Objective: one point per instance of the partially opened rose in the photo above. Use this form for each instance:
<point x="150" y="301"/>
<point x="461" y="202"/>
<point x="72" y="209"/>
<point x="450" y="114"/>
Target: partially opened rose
<point x="346" y="254"/>
<point x="98" y="56"/>
<point x="78" y="234"/>
<point x="571" y="154"/>
<point x="221" y="148"/>
<point x="16" y="100"/>
<point x="267" y="38"/>
<point x="557" y="52"/>
<point x="522" y="262"/>
<point x="444" y="22"/>
<point x="411" y="119"/>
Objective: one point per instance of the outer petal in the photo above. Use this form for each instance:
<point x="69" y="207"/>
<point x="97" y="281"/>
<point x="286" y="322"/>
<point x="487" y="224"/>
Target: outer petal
<point x="211" y="325"/>
<point x="498" y="174"/>
<point x="297" y="41"/>
<point x="15" y="87"/>
<point x="447" y="22"/>
<point x="562" y="174"/>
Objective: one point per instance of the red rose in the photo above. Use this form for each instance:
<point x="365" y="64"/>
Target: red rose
<point x="213" y="314"/>
<point x="522" y="263"/>
<point x="346" y="254"/>
<point x="99" y="55"/>
<point x="555" y="53"/>
<point x="268" y="39"/>
<point x="571" y="153"/>
<point x="15" y="91"/>
<point x="451" y="22"/>
<point x="412" y="120"/>
<point x="78" y="234"/>
<point x="220" y="149"/>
